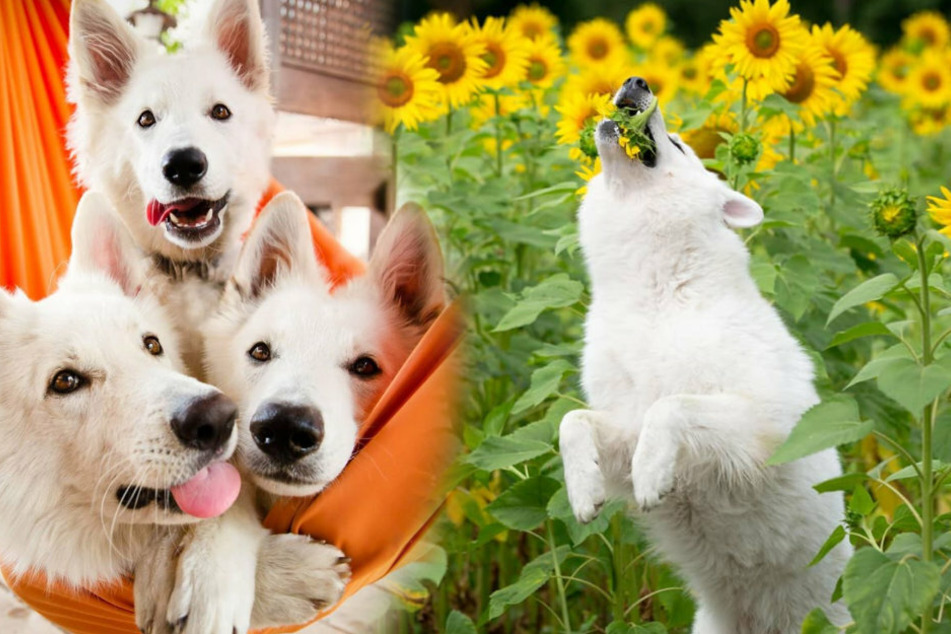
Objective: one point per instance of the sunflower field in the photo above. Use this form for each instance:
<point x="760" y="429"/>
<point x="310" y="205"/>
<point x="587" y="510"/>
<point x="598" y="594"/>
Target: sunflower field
<point x="845" y="146"/>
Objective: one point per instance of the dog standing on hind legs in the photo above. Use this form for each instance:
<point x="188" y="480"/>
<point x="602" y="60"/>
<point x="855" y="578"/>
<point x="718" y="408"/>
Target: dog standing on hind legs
<point x="694" y="381"/>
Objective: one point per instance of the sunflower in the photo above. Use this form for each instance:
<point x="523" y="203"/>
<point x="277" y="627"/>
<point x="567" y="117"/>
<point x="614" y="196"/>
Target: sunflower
<point x="601" y="79"/>
<point x="668" y="50"/>
<point x="482" y="108"/>
<point x="408" y="92"/>
<point x="927" y="29"/>
<point x="853" y="58"/>
<point x="587" y="171"/>
<point x="532" y="21"/>
<point x="893" y="69"/>
<point x="705" y="139"/>
<point x="506" y="53"/>
<point x="454" y="51"/>
<point x="929" y="81"/>
<point x="578" y="111"/>
<point x="812" y="88"/>
<point x="692" y="75"/>
<point x="925" y="121"/>
<point x="545" y="63"/>
<point x="762" y="41"/>
<point x="645" y="24"/>
<point x="940" y="210"/>
<point x="595" y="42"/>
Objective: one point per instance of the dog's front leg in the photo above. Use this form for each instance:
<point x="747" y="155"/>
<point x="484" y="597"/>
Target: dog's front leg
<point x="215" y="573"/>
<point x="716" y="435"/>
<point x="578" y="444"/>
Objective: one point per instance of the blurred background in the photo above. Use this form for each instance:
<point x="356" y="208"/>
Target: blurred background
<point x="693" y="21"/>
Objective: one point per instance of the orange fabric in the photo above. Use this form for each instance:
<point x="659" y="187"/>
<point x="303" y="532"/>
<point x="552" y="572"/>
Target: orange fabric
<point x="389" y="493"/>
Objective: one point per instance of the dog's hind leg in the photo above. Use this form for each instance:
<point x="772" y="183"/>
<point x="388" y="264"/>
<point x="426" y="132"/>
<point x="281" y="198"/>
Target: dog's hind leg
<point x="578" y="443"/>
<point x="716" y="435"/>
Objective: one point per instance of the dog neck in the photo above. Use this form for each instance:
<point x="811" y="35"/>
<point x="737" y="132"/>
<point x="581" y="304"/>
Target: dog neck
<point x="179" y="270"/>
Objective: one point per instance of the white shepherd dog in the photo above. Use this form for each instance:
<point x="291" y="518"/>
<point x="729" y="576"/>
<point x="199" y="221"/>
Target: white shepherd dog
<point x="180" y="143"/>
<point x="693" y="382"/>
<point x="104" y="436"/>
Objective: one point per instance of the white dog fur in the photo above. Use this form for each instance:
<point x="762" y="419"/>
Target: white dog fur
<point x="280" y="296"/>
<point x="693" y="381"/>
<point x="114" y="77"/>
<point x="65" y="454"/>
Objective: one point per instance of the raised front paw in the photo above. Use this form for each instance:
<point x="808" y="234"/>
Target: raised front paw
<point x="297" y="577"/>
<point x="652" y="469"/>
<point x="583" y="477"/>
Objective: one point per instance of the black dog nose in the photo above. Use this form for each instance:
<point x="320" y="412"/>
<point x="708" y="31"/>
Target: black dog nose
<point x="184" y="167"/>
<point x="206" y="423"/>
<point x="638" y="83"/>
<point x="287" y="432"/>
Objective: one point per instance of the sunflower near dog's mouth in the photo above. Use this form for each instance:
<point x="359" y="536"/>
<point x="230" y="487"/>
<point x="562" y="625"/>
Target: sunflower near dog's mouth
<point x="192" y="219"/>
<point x="634" y="134"/>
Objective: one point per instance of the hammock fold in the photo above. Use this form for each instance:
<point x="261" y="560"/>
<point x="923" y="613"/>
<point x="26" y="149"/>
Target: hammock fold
<point x="390" y="492"/>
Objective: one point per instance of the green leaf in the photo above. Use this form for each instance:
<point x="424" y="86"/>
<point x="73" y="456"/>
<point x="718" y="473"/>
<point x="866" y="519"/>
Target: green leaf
<point x="837" y="536"/>
<point x="500" y="452"/>
<point x="620" y="627"/>
<point x="869" y="329"/>
<point x="912" y="385"/>
<point x="861" y="502"/>
<point x="459" y="623"/>
<point x="911" y="472"/>
<point x="885" y="595"/>
<point x="867" y="291"/>
<point x="845" y="482"/>
<point x="557" y="291"/>
<point x="828" y="424"/>
<point x="817" y="622"/>
<point x="545" y="382"/>
<point x="524" y="505"/>
<point x="534" y="575"/>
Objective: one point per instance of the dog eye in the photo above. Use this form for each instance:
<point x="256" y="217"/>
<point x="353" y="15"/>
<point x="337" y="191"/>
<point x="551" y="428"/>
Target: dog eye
<point x="364" y="367"/>
<point x="153" y="345"/>
<point x="260" y="352"/>
<point x="220" y="112"/>
<point x="66" y="382"/>
<point x="146" y="119"/>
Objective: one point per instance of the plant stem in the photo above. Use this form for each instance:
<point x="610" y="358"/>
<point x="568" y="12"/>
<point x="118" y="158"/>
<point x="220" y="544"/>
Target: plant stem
<point x="743" y="109"/>
<point x="792" y="140"/>
<point x="927" y="479"/>
<point x="559" y="582"/>
<point x="832" y="170"/>
<point x="498" y="135"/>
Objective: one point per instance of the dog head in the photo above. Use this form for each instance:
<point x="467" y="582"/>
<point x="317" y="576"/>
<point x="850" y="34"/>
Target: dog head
<point x="180" y="142"/>
<point x="100" y="428"/>
<point x="670" y="186"/>
<point x="305" y="364"/>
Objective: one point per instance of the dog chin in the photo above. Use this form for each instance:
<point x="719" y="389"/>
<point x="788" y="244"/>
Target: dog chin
<point x="287" y="488"/>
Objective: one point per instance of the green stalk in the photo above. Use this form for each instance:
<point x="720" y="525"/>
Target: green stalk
<point x="619" y="605"/>
<point x="792" y="140"/>
<point x="743" y="109"/>
<point x="927" y="479"/>
<point x="832" y="170"/>
<point x="559" y="582"/>
<point x="498" y="135"/>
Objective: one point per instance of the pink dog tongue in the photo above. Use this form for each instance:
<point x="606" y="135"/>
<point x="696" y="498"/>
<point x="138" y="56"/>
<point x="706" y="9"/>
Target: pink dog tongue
<point x="156" y="212"/>
<point x="211" y="492"/>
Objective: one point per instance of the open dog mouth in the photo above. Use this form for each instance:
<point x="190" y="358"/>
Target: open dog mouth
<point x="189" y="219"/>
<point x="208" y="493"/>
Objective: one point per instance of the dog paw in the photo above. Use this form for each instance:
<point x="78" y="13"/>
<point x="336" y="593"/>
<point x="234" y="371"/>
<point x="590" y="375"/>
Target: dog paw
<point x="154" y="582"/>
<point x="297" y="578"/>
<point x="652" y="472"/>
<point x="583" y="478"/>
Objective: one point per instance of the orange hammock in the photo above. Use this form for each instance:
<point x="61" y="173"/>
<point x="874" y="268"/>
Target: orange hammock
<point x="389" y="493"/>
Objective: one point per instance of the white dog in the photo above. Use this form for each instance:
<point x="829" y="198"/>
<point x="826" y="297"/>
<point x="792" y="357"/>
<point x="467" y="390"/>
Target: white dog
<point x="306" y="366"/>
<point x="104" y="436"/>
<point x="179" y="142"/>
<point x="693" y="382"/>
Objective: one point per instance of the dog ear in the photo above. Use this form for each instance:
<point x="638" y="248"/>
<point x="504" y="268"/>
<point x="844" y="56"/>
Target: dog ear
<point x="278" y="244"/>
<point x="235" y="28"/>
<point x="102" y="244"/>
<point x="103" y="47"/>
<point x="407" y="265"/>
<point x="741" y="212"/>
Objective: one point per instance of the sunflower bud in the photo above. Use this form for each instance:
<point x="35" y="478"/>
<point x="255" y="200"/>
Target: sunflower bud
<point x="893" y="212"/>
<point x="744" y="148"/>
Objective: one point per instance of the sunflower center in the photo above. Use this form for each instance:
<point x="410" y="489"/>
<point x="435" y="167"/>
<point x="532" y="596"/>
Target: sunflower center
<point x="928" y="35"/>
<point x="537" y="70"/>
<point x="802" y="86"/>
<point x="395" y="90"/>
<point x="532" y="30"/>
<point x="598" y="48"/>
<point x="689" y="72"/>
<point x="763" y="40"/>
<point x="931" y="81"/>
<point x="448" y="60"/>
<point x="839" y="61"/>
<point x="647" y="26"/>
<point x="495" y="58"/>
